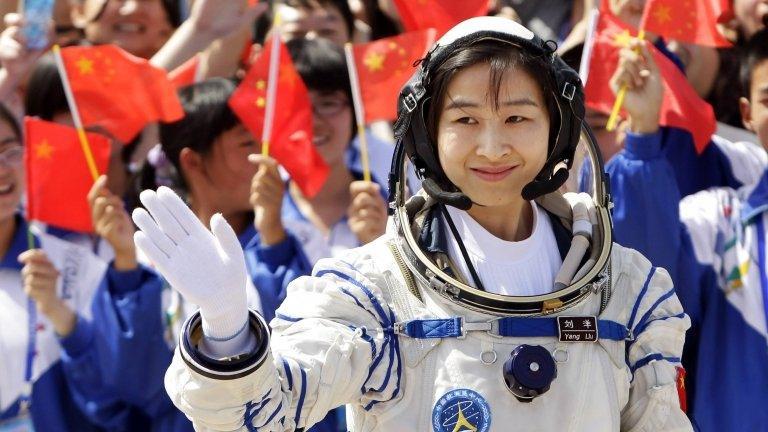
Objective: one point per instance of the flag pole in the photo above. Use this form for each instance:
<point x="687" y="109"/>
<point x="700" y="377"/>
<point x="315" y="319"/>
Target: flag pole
<point x="272" y="78"/>
<point x="613" y="119"/>
<point x="589" y="40"/>
<point x="75" y="113"/>
<point x="357" y="102"/>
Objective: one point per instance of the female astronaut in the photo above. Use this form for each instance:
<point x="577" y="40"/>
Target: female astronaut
<point x="493" y="301"/>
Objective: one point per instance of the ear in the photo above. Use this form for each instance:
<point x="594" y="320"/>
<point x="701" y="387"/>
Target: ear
<point x="746" y="113"/>
<point x="191" y="164"/>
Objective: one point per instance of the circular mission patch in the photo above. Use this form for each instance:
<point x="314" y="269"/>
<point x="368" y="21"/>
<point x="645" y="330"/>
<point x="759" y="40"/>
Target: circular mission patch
<point x="461" y="410"/>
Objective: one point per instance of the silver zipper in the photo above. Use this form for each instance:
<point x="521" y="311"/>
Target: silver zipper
<point x="409" y="282"/>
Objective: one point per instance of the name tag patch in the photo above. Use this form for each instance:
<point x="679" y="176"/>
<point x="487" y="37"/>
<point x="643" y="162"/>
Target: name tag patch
<point x="577" y="328"/>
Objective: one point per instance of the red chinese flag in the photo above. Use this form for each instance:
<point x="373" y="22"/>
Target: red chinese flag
<point x="438" y="14"/>
<point x="187" y="73"/>
<point x="384" y="66"/>
<point x="58" y="178"/>
<point x="291" y="142"/>
<point x="681" y="107"/>
<point x="118" y="91"/>
<point x="692" y="21"/>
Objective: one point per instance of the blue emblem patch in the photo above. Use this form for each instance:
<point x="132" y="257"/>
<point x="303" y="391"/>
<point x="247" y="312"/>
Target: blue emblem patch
<point x="461" y="410"/>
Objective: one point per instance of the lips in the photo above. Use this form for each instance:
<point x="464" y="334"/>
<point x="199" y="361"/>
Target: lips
<point x="493" y="173"/>
<point x="129" y="27"/>
<point x="6" y="188"/>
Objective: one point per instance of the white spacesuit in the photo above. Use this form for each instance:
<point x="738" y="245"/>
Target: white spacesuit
<point x="389" y="330"/>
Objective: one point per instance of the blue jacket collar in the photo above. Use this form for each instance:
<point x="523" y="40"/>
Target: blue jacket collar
<point x="757" y="200"/>
<point x="18" y="245"/>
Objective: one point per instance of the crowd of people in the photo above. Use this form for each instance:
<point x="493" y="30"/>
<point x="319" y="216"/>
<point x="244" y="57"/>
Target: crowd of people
<point x="96" y="328"/>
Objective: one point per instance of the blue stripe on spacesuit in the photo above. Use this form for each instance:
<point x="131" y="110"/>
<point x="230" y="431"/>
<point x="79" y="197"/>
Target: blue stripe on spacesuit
<point x="274" y="413"/>
<point x="301" y="396"/>
<point x="252" y="410"/>
<point x="287" y="318"/>
<point x="394" y="350"/>
<point x="641" y="328"/>
<point x="390" y="341"/>
<point x="288" y="374"/>
<point x="366" y="337"/>
<point x="643" y="321"/>
<point x="652" y="357"/>
<point x="376" y="305"/>
<point x="640" y="296"/>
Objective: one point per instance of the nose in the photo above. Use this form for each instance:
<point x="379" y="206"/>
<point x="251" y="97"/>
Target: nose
<point x="319" y="125"/>
<point x="492" y="144"/>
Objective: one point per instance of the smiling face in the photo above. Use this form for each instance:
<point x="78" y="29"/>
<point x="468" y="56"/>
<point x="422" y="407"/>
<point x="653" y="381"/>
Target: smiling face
<point x="11" y="172"/>
<point x="140" y="27"/>
<point x="492" y="150"/>
<point x="331" y="125"/>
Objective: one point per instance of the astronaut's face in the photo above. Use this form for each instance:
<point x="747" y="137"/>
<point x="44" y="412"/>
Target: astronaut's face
<point x="492" y="152"/>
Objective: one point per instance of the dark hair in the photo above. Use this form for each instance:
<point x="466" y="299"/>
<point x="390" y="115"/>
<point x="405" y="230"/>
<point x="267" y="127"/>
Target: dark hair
<point x="381" y="24"/>
<point x="321" y="65"/>
<point x="7" y="116"/>
<point x="45" y="96"/>
<point x="264" y="22"/>
<point x="755" y="52"/>
<point x="207" y="115"/>
<point x="501" y="58"/>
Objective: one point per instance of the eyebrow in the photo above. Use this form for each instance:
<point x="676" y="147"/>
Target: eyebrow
<point x="462" y="103"/>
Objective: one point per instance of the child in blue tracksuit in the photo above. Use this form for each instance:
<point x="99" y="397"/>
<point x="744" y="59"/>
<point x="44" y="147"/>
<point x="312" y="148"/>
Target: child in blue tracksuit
<point x="722" y="163"/>
<point x="138" y="316"/>
<point x="46" y="289"/>
<point x="713" y="243"/>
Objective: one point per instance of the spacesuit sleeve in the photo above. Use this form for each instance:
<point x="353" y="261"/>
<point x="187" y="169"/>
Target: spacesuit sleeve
<point x="645" y="198"/>
<point x="658" y="326"/>
<point x="130" y="338"/>
<point x="332" y="343"/>
<point x="272" y="268"/>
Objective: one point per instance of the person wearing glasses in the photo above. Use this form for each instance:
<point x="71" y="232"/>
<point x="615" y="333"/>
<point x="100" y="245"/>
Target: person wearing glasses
<point x="44" y="316"/>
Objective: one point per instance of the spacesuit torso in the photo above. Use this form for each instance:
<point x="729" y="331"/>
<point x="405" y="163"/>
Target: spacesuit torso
<point x="356" y="333"/>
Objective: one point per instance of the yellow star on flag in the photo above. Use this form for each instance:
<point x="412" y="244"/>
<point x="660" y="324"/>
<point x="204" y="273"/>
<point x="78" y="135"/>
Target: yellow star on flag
<point x="374" y="61"/>
<point x="84" y="65"/>
<point x="622" y="39"/>
<point x="261" y="84"/>
<point x="43" y="150"/>
<point x="261" y="102"/>
<point x="663" y="14"/>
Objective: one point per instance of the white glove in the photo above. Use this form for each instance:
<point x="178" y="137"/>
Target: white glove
<point x="206" y="267"/>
